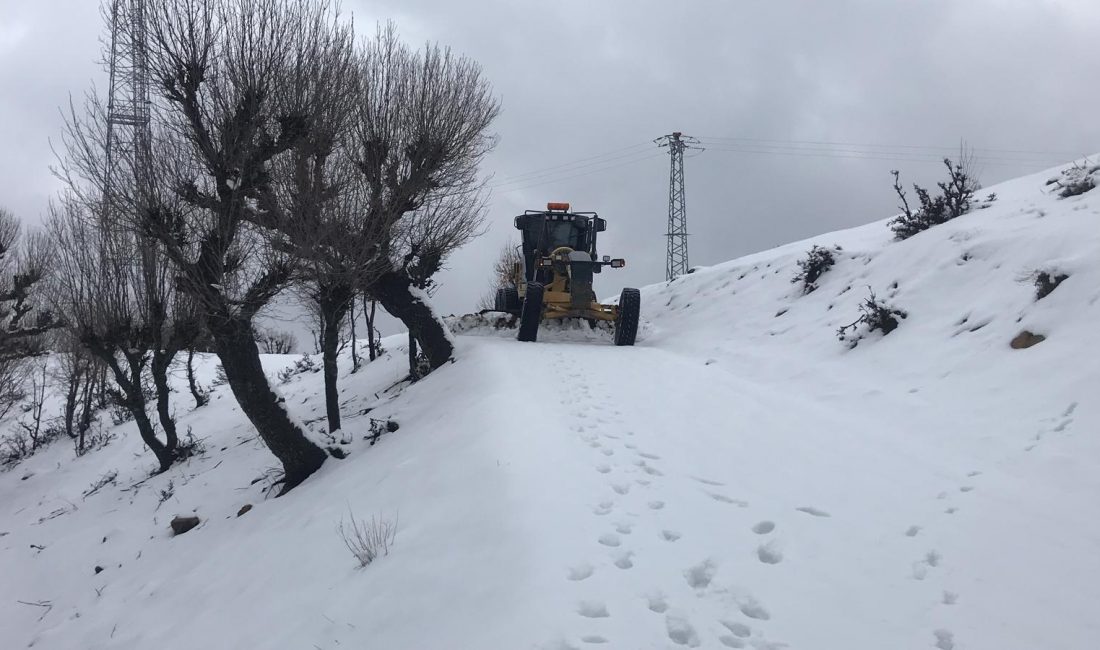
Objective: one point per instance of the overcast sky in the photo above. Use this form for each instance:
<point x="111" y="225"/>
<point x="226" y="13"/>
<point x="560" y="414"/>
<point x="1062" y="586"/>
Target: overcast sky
<point x="586" y="86"/>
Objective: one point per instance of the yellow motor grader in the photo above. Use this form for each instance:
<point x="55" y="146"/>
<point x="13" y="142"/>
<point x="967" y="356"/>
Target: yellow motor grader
<point x="554" y="278"/>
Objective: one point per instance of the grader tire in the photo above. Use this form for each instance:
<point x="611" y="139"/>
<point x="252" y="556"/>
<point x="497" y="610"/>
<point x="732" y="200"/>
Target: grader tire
<point x="511" y="300"/>
<point x="626" y="324"/>
<point x="531" y="313"/>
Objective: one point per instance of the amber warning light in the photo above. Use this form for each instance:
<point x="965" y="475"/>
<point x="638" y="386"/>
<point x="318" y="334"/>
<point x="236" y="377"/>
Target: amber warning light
<point x="558" y="206"/>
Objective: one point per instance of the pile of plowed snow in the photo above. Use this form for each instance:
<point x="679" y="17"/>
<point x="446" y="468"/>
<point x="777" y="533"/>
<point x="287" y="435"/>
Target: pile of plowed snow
<point x="739" y="479"/>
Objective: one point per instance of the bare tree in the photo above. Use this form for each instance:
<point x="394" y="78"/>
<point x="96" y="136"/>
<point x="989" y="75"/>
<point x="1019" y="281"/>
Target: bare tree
<point x="23" y="262"/>
<point x="419" y="139"/>
<point x="503" y="275"/>
<point x="234" y="78"/>
<point x="276" y="341"/>
<point x="116" y="303"/>
<point x="23" y="321"/>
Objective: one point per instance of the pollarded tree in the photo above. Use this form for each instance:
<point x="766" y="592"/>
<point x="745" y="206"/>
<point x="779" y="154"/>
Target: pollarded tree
<point x="233" y="79"/>
<point x="115" y="295"/>
<point x="420" y="135"/>
<point x="22" y="320"/>
<point x="23" y="261"/>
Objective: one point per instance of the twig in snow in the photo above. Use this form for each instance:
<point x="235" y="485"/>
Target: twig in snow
<point x="42" y="603"/>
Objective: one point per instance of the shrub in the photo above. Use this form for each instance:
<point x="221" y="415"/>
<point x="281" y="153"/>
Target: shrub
<point x="367" y="540"/>
<point x="954" y="200"/>
<point x="276" y="342"/>
<point x="1078" y="179"/>
<point x="303" y="364"/>
<point x="1045" y="282"/>
<point x="874" y="315"/>
<point x="818" y="260"/>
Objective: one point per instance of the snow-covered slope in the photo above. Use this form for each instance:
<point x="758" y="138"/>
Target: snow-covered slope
<point x="740" y="478"/>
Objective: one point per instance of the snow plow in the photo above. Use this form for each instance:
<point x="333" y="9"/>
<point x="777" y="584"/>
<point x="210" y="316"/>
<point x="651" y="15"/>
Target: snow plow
<point x="553" y="280"/>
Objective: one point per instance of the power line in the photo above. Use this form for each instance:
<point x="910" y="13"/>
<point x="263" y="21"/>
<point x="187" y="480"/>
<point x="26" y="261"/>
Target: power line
<point x="911" y="156"/>
<point x="574" y="164"/>
<point x="556" y="178"/>
<point x="778" y="142"/>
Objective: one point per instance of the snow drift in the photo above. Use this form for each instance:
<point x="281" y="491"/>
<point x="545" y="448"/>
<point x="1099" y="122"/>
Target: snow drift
<point x="739" y="479"/>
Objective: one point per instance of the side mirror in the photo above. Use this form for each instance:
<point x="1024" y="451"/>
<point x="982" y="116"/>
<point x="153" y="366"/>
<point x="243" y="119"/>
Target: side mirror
<point x="618" y="264"/>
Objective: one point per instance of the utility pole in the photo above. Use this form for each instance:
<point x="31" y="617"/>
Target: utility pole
<point x="676" y="263"/>
<point x="128" y="154"/>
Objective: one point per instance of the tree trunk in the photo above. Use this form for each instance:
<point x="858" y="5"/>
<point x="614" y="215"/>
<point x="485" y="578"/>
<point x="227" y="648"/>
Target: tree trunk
<point x="354" y="351"/>
<point x="414" y="372"/>
<point x="201" y="398"/>
<point x="333" y="310"/>
<point x="86" y="409"/>
<point x="236" y="347"/>
<point x="159" y="367"/>
<point x="129" y="385"/>
<point x="371" y="350"/>
<point x="70" y="400"/>
<point x="395" y="291"/>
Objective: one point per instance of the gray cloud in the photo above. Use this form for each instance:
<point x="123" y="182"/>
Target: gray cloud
<point x="578" y="79"/>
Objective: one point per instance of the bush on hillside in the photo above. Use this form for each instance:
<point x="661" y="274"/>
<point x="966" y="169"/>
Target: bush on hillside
<point x="304" y="364"/>
<point x="368" y="540"/>
<point x="954" y="200"/>
<point x="875" y="315"/>
<point x="1078" y="179"/>
<point x="1046" y="282"/>
<point x="818" y="260"/>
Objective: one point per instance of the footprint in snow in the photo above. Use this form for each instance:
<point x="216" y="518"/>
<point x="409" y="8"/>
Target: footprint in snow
<point x="649" y="456"/>
<point x="912" y="531"/>
<point x="725" y="499"/>
<point x="753" y="609"/>
<point x="769" y="553"/>
<point x="603" y="507"/>
<point x="625" y="560"/>
<point x="610" y="539"/>
<point x="738" y="629"/>
<point x="810" y="510"/>
<point x="945" y="640"/>
<point x="681" y="632"/>
<point x="656" y="505"/>
<point x="592" y="609"/>
<point x="580" y="572"/>
<point x="607" y="452"/>
<point x="594" y="638"/>
<point x="707" y="481"/>
<point x="700" y="575"/>
<point x="657" y="603"/>
<point x="763" y="528"/>
<point x="670" y="535"/>
<point x="624" y="528"/>
<point x="603" y="469"/>
<point x="621" y="488"/>
<point x="641" y="481"/>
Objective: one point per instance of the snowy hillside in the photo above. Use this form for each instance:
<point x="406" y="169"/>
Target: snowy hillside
<point x="739" y="479"/>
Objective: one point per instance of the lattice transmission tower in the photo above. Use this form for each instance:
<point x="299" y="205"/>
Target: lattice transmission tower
<point x="676" y="262"/>
<point x="128" y="154"/>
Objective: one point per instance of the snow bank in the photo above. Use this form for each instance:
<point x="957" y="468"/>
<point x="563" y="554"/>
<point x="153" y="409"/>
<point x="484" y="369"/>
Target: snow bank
<point x="739" y="479"/>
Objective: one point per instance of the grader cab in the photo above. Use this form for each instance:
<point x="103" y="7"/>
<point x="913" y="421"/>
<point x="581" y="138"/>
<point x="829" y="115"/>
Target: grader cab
<point x="554" y="280"/>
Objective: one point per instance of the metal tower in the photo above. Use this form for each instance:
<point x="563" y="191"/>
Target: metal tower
<point x="676" y="263"/>
<point x="128" y="132"/>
